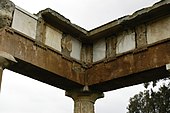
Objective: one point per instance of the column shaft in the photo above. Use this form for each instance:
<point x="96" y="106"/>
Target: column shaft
<point x="1" y="71"/>
<point x="5" y="60"/>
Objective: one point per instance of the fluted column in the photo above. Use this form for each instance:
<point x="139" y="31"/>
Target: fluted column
<point x="84" y="101"/>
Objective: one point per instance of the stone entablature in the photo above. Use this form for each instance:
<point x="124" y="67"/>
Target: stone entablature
<point x="55" y="31"/>
<point x="49" y="48"/>
<point x="65" y="44"/>
<point x="126" y="34"/>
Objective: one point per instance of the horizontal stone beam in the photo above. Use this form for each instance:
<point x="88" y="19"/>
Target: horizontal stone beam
<point x="131" y="68"/>
<point x="40" y="62"/>
<point x="49" y="48"/>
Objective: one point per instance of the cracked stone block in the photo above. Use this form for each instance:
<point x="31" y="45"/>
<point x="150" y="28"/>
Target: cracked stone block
<point x="111" y="46"/>
<point x="125" y="42"/>
<point x="66" y="44"/>
<point x="87" y="53"/>
<point x="141" y="39"/>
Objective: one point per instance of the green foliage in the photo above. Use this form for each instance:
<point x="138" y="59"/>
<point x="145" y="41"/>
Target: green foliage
<point x="151" y="101"/>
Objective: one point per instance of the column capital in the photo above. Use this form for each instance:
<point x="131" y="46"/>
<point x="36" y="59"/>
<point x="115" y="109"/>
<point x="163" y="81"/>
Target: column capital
<point x="5" y="60"/>
<point x="80" y="95"/>
<point x="84" y="100"/>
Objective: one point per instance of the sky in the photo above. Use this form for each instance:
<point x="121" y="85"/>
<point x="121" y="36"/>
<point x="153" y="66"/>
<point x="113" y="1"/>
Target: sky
<point x="20" y="94"/>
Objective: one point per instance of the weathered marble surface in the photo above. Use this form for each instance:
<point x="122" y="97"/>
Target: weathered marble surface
<point x="99" y="50"/>
<point x="53" y="38"/>
<point x="158" y="30"/>
<point x="76" y="48"/>
<point x="125" y="42"/>
<point x="27" y="23"/>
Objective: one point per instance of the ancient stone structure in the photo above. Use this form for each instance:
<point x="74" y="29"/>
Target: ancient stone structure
<point x="5" y="60"/>
<point x="84" y="101"/>
<point x="49" y="48"/>
<point x="6" y="11"/>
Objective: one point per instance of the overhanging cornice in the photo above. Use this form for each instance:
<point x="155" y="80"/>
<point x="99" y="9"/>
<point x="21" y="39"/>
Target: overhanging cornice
<point x="58" y="21"/>
<point x="145" y="15"/>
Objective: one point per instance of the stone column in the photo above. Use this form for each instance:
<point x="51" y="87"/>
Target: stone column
<point x="1" y="71"/>
<point x="6" y="13"/>
<point x="84" y="101"/>
<point x="5" y="60"/>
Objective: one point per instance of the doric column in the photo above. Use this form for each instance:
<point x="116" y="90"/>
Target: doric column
<point x="84" y="101"/>
<point x="5" y="60"/>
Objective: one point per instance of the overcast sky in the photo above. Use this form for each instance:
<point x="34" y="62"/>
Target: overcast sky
<point x="20" y="94"/>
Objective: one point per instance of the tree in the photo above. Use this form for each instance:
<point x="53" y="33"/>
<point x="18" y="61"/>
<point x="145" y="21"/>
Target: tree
<point x="150" y="101"/>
